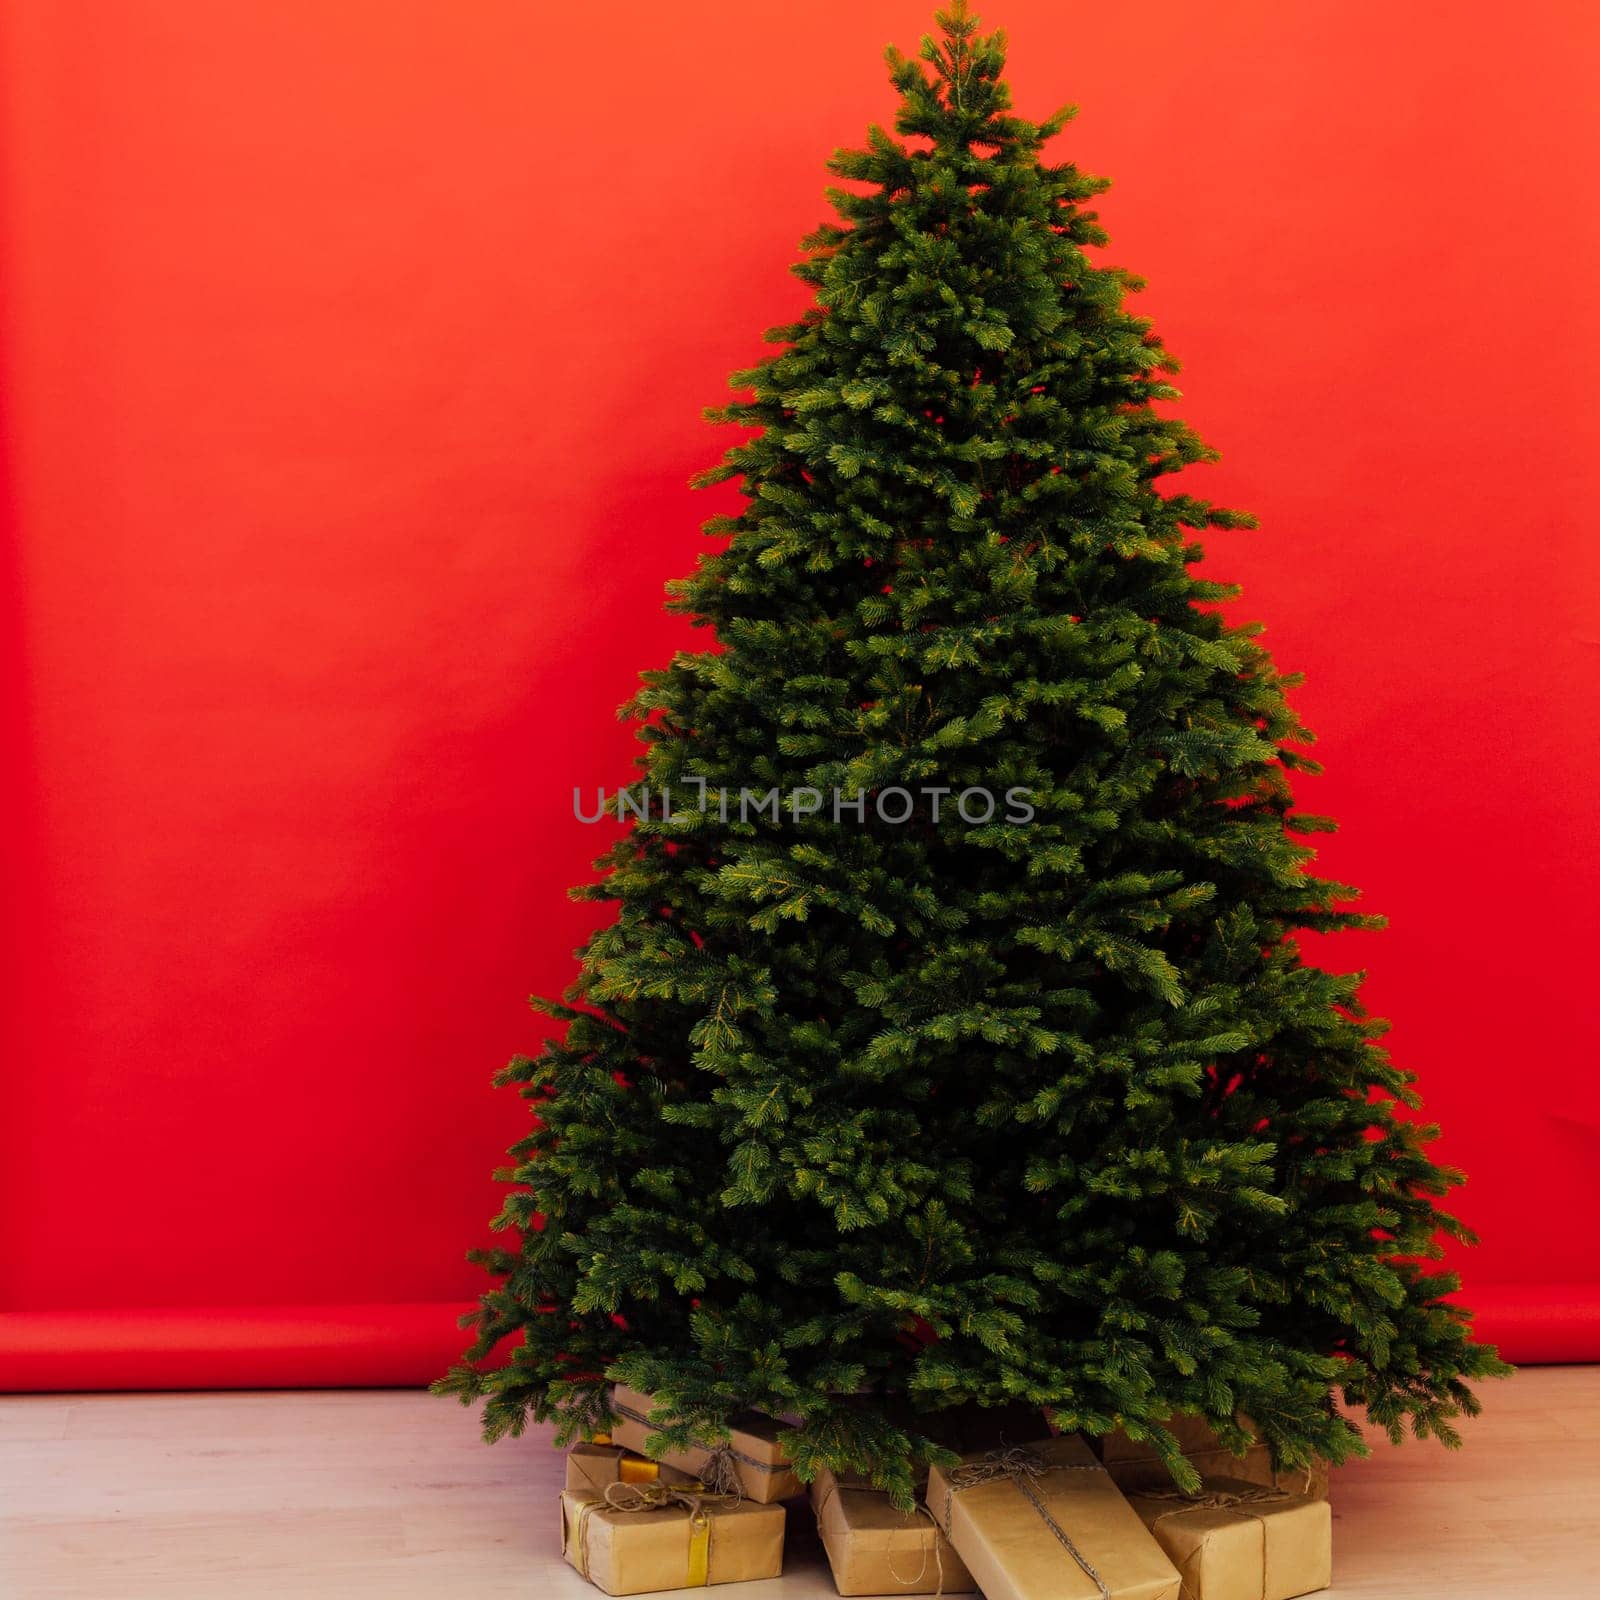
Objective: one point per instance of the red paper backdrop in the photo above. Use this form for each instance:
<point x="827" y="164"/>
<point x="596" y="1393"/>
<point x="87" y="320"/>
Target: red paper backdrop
<point x="353" y="357"/>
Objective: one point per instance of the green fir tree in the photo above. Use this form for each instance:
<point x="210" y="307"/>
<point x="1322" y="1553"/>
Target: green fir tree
<point x="960" y="1109"/>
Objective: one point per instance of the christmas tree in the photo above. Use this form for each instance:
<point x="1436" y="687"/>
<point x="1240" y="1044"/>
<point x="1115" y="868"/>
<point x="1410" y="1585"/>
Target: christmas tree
<point x="951" y="1042"/>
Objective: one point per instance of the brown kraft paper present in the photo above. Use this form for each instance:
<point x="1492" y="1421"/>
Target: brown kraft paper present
<point x="1044" y="1521"/>
<point x="875" y="1549"/>
<point x="755" y="1458"/>
<point x="636" y="1538"/>
<point x="1137" y="1466"/>
<point x="1240" y="1541"/>
<point x="591" y="1466"/>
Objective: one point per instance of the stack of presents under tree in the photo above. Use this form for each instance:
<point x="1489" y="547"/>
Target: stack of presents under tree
<point x="1021" y="1512"/>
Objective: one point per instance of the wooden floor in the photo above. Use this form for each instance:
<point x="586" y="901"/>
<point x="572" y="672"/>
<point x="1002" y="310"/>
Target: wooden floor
<point x="120" y="1497"/>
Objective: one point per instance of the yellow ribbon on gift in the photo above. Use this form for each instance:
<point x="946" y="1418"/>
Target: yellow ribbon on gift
<point x="646" y="1497"/>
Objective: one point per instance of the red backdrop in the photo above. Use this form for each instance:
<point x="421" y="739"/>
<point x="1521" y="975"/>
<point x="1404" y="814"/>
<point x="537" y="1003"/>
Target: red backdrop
<point x="353" y="357"/>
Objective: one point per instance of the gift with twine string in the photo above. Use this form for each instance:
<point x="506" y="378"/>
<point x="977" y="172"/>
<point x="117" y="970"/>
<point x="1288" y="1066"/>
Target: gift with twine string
<point x="874" y="1548"/>
<point x="754" y="1461"/>
<point x="1043" y="1521"/>
<point x="591" y="1466"/>
<point x="1235" y="1540"/>
<point x="638" y="1537"/>
<point x="1135" y="1466"/>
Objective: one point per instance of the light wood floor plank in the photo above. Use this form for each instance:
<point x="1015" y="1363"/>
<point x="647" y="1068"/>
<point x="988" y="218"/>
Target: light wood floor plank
<point x="381" y="1493"/>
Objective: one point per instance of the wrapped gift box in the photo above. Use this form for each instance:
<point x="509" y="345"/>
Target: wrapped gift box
<point x="875" y="1549"/>
<point x="637" y="1538"/>
<point x="1240" y="1541"/>
<point x="1045" y="1522"/>
<point x="756" y="1451"/>
<point x="591" y="1466"/>
<point x="1137" y="1466"/>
